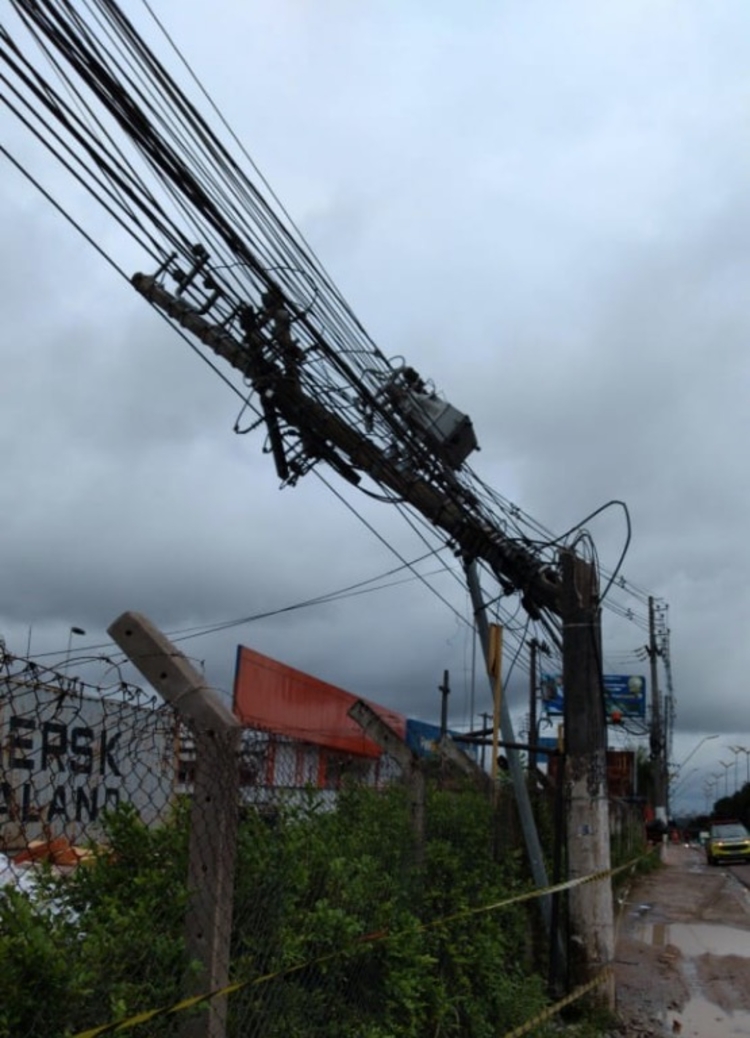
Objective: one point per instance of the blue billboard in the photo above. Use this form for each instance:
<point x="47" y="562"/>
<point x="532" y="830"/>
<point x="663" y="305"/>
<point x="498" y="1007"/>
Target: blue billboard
<point x="548" y="742"/>
<point x="623" y="693"/>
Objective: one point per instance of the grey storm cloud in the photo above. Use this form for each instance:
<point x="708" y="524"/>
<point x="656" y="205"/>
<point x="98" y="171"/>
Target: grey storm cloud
<point x="541" y="207"/>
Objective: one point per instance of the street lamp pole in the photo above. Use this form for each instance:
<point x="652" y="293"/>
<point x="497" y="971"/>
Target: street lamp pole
<point x="71" y="632"/>
<point x="708" y="788"/>
<point x="707" y="798"/>
<point x="697" y="746"/>
<point x="746" y="751"/>
<point x="726" y="766"/>
<point x="735" y="750"/>
<point x="673" y="779"/>
<point x="715" y="779"/>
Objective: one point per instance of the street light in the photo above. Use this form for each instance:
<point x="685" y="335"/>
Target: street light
<point x="735" y="750"/>
<point x="674" y="776"/>
<point x="743" y="749"/>
<point x="726" y="766"/>
<point x="71" y="632"/>
<point x="710" y="787"/>
<point x="696" y="748"/>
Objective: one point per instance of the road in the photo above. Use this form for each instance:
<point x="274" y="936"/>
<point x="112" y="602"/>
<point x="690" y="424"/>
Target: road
<point x="683" y="949"/>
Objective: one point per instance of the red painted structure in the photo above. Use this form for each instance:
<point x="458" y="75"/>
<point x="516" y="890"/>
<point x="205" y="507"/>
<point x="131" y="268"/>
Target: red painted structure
<point x="275" y="698"/>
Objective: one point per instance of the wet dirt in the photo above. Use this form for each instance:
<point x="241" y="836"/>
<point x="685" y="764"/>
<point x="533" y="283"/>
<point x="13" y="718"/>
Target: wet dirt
<point x="683" y="950"/>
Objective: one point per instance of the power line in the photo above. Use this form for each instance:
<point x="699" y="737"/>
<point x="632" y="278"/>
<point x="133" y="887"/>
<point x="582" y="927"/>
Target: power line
<point x="358" y="588"/>
<point x="178" y="183"/>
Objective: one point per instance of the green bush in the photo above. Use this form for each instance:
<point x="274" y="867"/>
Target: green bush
<point x="322" y="880"/>
<point x="336" y="932"/>
<point x="99" y="944"/>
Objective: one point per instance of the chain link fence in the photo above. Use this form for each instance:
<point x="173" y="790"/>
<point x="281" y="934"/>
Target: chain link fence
<point x="162" y="856"/>
<point x="71" y="753"/>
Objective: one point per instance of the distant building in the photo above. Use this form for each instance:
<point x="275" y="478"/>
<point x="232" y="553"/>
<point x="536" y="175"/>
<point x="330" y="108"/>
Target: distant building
<point x="298" y="733"/>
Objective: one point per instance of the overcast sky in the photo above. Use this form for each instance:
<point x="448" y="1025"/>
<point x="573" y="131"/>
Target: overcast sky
<point x="544" y="207"/>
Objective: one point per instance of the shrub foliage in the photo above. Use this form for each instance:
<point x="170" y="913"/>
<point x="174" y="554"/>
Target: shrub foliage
<point x="336" y="932"/>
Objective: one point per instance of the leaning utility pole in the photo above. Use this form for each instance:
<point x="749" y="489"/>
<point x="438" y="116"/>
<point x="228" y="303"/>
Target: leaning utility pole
<point x="328" y="436"/>
<point x="325" y="393"/>
<point x="515" y="768"/>
<point x="591" y="910"/>
<point x="533" y="723"/>
<point x="657" y="737"/>
<point x="349" y="450"/>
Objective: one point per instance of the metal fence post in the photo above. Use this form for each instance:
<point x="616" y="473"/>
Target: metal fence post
<point x="213" y="815"/>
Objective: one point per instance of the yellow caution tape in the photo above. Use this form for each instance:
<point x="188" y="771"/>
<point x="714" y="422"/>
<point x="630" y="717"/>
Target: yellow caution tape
<point x="229" y="989"/>
<point x="550" y="1011"/>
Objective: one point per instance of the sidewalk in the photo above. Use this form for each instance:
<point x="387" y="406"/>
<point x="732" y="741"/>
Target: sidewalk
<point x="683" y="950"/>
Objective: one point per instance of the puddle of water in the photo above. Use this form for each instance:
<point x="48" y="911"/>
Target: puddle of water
<point x="695" y="938"/>
<point x="703" y="1019"/>
<point x="700" y="1018"/>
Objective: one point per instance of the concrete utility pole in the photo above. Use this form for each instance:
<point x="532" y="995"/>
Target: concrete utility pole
<point x="592" y="929"/>
<point x="662" y="641"/>
<point x="445" y="691"/>
<point x="657" y="736"/>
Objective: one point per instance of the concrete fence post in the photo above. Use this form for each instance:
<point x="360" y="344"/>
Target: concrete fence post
<point x="213" y="814"/>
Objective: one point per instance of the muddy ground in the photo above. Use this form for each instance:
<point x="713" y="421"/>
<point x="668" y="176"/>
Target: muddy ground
<point x="683" y="950"/>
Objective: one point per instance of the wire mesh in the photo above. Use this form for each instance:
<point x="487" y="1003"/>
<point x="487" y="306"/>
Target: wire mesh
<point x="71" y="754"/>
<point x="89" y="924"/>
<point x="296" y="873"/>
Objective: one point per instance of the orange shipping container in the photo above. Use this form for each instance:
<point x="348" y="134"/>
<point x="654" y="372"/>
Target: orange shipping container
<point x="276" y="698"/>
